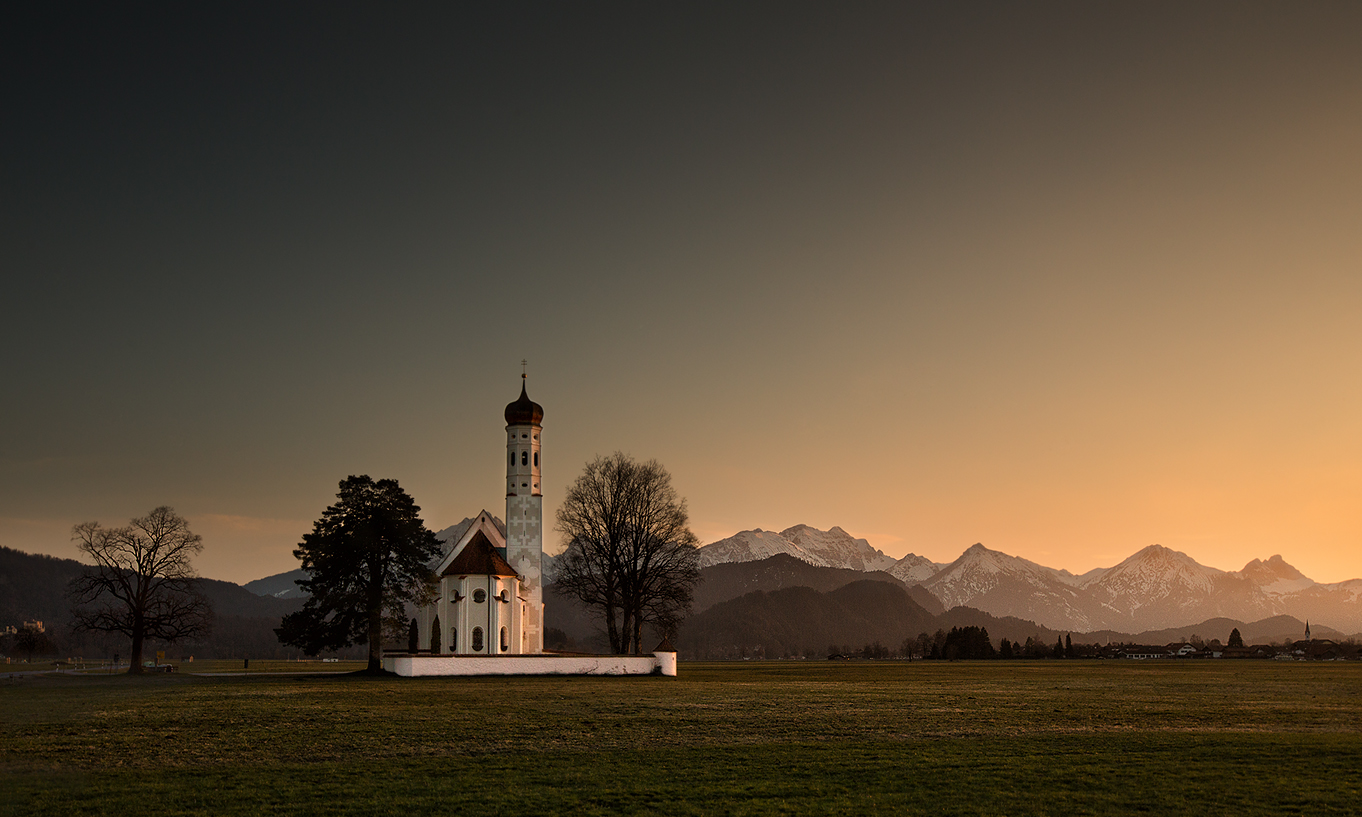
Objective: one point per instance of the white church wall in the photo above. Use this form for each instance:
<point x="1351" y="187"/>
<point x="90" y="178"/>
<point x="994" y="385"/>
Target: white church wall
<point x="435" y="665"/>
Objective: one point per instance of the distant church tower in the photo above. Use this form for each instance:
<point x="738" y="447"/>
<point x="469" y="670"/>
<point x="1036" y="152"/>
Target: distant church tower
<point x="525" y="513"/>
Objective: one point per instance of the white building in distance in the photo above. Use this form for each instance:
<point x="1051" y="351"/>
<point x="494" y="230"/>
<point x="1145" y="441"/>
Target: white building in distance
<point x="489" y="616"/>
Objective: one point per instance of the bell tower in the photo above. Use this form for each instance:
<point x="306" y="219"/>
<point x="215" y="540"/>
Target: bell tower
<point x="525" y="515"/>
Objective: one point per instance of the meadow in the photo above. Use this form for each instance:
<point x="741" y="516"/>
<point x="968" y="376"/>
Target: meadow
<point x="1043" y="737"/>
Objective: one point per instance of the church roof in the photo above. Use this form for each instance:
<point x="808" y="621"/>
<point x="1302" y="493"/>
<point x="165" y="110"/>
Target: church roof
<point x="479" y="558"/>
<point x="451" y="536"/>
<point x="524" y="411"/>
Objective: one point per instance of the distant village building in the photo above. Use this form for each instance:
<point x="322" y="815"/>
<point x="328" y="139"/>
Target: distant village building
<point x="1141" y="653"/>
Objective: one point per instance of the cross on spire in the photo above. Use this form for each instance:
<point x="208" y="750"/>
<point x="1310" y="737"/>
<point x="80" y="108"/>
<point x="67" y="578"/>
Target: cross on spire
<point x="523" y="364"/>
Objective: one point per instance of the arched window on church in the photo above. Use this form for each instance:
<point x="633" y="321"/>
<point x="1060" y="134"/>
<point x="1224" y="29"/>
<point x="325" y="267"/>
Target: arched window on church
<point x="454" y="639"/>
<point x="536" y="459"/>
<point x="435" y="636"/>
<point x="505" y="644"/>
<point x="524" y="458"/>
<point x="512" y="462"/>
<point x="477" y="639"/>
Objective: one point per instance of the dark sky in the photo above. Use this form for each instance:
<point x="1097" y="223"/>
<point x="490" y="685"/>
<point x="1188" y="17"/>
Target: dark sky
<point x="1065" y="278"/>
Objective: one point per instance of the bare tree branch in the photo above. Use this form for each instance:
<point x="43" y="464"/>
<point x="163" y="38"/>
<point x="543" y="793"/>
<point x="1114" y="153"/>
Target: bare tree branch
<point x="142" y="583"/>
<point x="630" y="553"/>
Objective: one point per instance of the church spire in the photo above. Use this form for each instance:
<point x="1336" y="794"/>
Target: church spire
<point x="525" y="514"/>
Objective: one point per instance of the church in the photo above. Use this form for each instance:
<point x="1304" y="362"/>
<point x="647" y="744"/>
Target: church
<point x="488" y="616"/>
<point x="491" y="597"/>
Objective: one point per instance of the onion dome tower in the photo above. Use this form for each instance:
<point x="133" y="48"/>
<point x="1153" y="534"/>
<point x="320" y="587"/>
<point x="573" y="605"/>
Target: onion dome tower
<point x="525" y="513"/>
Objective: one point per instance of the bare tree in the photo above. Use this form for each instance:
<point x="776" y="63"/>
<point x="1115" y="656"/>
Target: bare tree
<point x="142" y="583"/>
<point x="630" y="553"/>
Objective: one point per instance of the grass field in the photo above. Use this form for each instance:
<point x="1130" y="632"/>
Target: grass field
<point x="1049" y="737"/>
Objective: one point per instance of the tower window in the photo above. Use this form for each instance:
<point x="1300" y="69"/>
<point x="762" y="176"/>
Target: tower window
<point x="505" y="645"/>
<point x="479" y="596"/>
<point x="536" y="459"/>
<point x="524" y="436"/>
<point x="512" y="462"/>
<point x="524" y="458"/>
<point x="477" y="639"/>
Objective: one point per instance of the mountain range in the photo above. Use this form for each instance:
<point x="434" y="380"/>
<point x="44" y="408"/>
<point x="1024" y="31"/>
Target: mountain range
<point x="1155" y="588"/>
<point x="830" y="548"/>
<point x="779" y="606"/>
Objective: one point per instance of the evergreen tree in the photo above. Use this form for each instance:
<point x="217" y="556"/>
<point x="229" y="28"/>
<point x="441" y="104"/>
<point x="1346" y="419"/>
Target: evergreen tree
<point x="1236" y="640"/>
<point x="1005" y="649"/>
<point x="968" y="643"/>
<point x="366" y="559"/>
<point x="1068" y="646"/>
<point x="1059" y="648"/>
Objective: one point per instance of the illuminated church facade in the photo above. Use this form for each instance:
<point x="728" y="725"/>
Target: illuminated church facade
<point x="491" y="594"/>
<point x="488" y="618"/>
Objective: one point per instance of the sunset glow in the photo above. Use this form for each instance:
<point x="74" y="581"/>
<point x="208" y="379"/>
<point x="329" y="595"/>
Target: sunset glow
<point x="1065" y="280"/>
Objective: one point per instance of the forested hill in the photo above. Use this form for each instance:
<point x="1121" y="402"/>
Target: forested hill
<point x="801" y="621"/>
<point x="804" y="621"/>
<point x="721" y="582"/>
<point x="33" y="587"/>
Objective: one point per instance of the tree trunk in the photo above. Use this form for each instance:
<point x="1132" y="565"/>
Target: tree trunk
<point x="375" y="613"/>
<point x="135" y="661"/>
<point x="612" y="629"/>
<point x="375" y="639"/>
<point x="626" y="630"/>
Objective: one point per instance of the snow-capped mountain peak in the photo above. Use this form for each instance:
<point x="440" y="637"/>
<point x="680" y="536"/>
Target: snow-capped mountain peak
<point x="1276" y="577"/>
<point x="914" y="569"/>
<point x="1010" y="586"/>
<point x="1162" y="587"/>
<point x="753" y="546"/>
<point x="830" y="548"/>
<point x="1156" y="566"/>
<point x="838" y="548"/>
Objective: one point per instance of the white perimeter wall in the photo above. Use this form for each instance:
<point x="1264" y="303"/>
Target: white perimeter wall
<point x="414" y="665"/>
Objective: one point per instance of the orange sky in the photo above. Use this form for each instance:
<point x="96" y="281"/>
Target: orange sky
<point x="1067" y="281"/>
